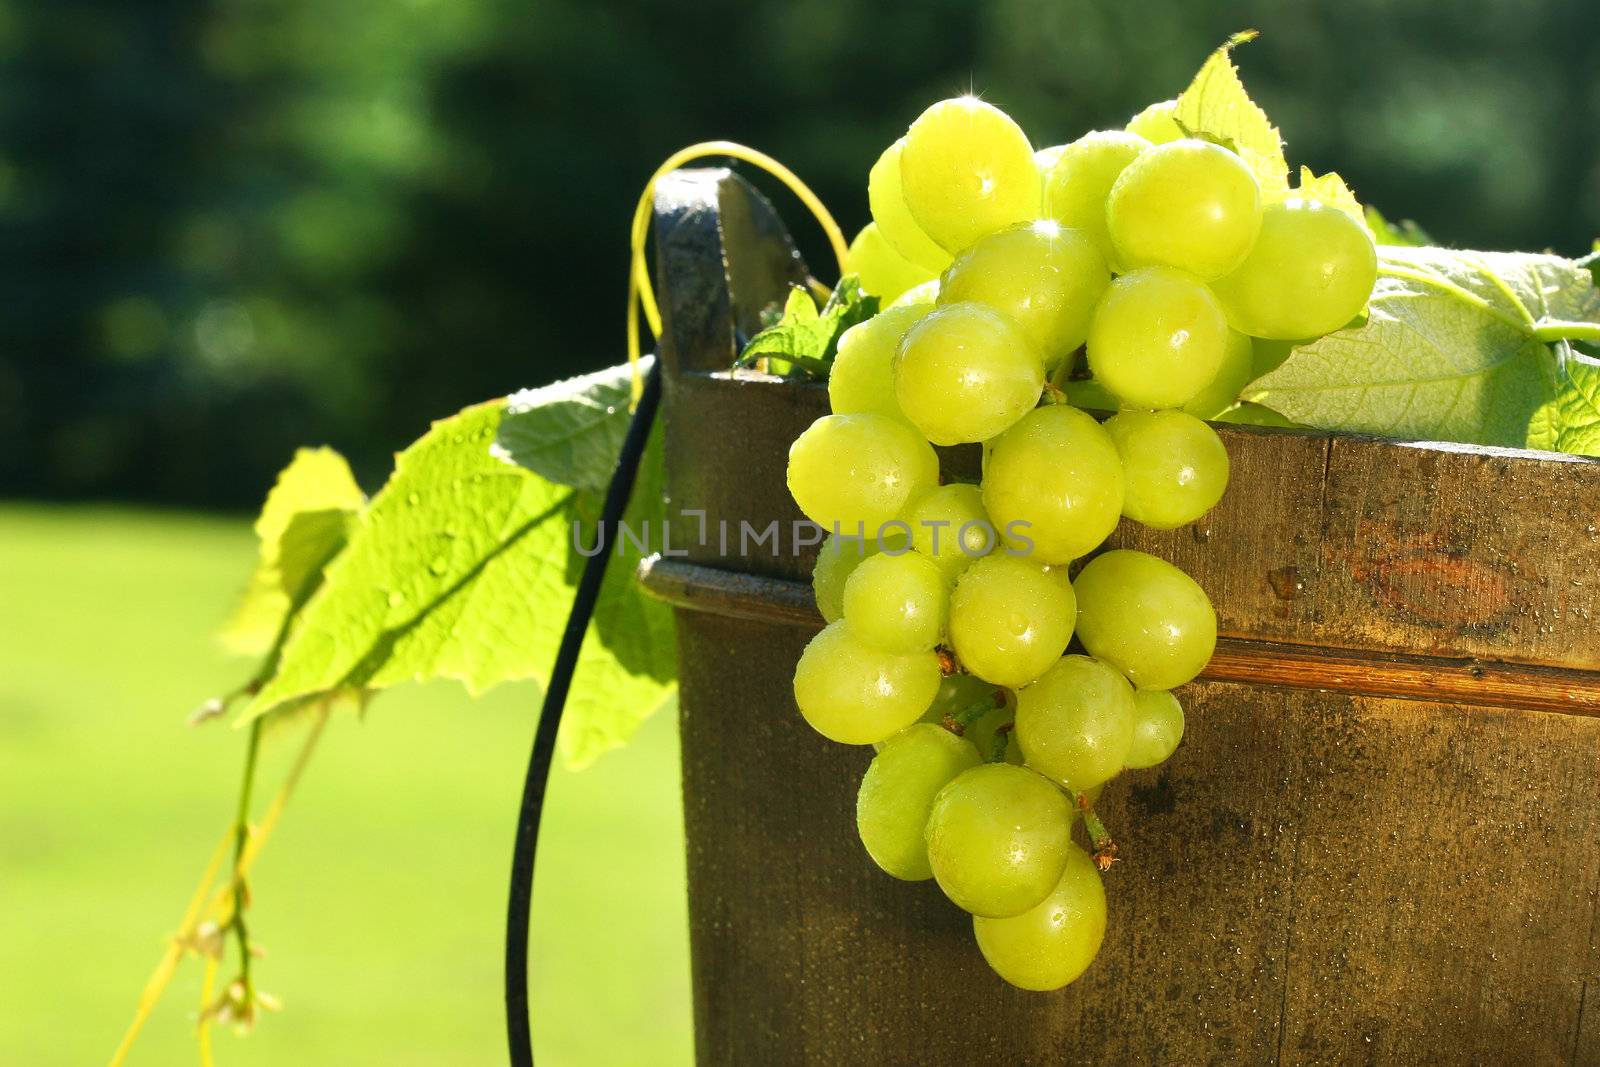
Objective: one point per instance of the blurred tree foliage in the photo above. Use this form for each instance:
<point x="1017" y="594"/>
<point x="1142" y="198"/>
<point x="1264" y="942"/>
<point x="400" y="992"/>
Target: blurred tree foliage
<point x="234" y="226"/>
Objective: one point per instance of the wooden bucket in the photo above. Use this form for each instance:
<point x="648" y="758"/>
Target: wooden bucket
<point x="1378" y="843"/>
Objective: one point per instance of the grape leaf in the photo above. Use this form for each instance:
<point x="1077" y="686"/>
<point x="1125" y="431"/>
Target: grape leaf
<point x="1571" y="421"/>
<point x="570" y="432"/>
<point x="1405" y="232"/>
<point x="302" y="525"/>
<point x="1216" y="106"/>
<point x="1591" y="262"/>
<point x="805" y="337"/>
<point x="628" y="668"/>
<point x="1456" y="346"/>
<point x="462" y="567"/>
<point x="1331" y="190"/>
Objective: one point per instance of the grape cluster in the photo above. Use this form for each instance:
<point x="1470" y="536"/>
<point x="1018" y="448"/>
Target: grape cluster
<point x="1002" y="683"/>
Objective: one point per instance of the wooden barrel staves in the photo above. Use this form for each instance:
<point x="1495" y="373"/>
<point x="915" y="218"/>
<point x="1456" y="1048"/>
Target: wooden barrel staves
<point x="1379" y="842"/>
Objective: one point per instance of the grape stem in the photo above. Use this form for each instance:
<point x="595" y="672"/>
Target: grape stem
<point x="1002" y="739"/>
<point x="1557" y="330"/>
<point x="958" y="721"/>
<point x="206" y="903"/>
<point x="240" y="998"/>
<point x="1105" y="849"/>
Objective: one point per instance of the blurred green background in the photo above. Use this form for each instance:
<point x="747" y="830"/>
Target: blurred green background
<point x="235" y="226"/>
<point x="231" y="227"/>
<point x="380" y="898"/>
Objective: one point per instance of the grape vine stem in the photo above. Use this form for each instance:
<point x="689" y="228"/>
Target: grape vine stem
<point x="1002" y="741"/>
<point x="958" y="721"/>
<point x="204" y="903"/>
<point x="239" y="889"/>
<point x="1558" y="330"/>
<point x="1105" y="849"/>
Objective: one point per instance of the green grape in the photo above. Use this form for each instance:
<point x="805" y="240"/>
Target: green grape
<point x="1076" y="188"/>
<point x="1010" y="618"/>
<point x="1052" y="484"/>
<point x="837" y="559"/>
<point x="1267" y="355"/>
<point x="1157" y="123"/>
<point x="897" y="793"/>
<point x="1045" y="158"/>
<point x="1157" y="727"/>
<point x="926" y="293"/>
<point x="950" y="527"/>
<point x="1145" y="617"/>
<point x="897" y="603"/>
<point x="1044" y="278"/>
<point x="1311" y="271"/>
<point x="1090" y="394"/>
<point x="997" y="839"/>
<point x="855" y="694"/>
<point x="1231" y="378"/>
<point x="967" y="170"/>
<point x="965" y="372"/>
<point x="1053" y="942"/>
<point x="862" y="377"/>
<point x="887" y="198"/>
<point x="1158" y="337"/>
<point x="1076" y="722"/>
<point x="1175" y="466"/>
<point x="1187" y="204"/>
<point x="857" y="472"/>
<point x="882" y="271"/>
<point x="1248" y="414"/>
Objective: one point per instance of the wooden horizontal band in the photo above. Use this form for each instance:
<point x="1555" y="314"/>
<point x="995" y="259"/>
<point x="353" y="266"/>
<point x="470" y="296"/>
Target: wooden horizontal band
<point x="1435" y="679"/>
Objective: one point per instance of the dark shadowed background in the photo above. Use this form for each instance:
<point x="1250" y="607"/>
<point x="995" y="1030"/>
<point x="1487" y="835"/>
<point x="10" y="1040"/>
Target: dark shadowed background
<point x="231" y="227"/>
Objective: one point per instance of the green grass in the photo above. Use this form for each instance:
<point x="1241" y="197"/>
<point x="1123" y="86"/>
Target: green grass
<point x="381" y="897"/>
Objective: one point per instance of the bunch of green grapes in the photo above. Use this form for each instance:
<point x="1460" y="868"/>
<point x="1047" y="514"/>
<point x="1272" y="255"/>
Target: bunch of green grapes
<point x="1001" y="680"/>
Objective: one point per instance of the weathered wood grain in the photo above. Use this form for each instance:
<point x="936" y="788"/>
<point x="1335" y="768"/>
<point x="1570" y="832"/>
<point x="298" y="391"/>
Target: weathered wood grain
<point x="1314" y="878"/>
<point x="1468" y="682"/>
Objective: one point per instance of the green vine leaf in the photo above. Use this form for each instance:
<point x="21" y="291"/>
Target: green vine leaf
<point x="1216" y="107"/>
<point x="805" y="338"/>
<point x="1455" y="346"/>
<point x="462" y="567"/>
<point x="1571" y="421"/>
<point x="302" y="525"/>
<point x="1405" y="232"/>
<point x="570" y="432"/>
<point x="1331" y="190"/>
<point x="1591" y="262"/>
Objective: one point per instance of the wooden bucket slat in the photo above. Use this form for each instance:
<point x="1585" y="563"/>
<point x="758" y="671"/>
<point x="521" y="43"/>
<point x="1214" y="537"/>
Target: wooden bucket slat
<point x="737" y="595"/>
